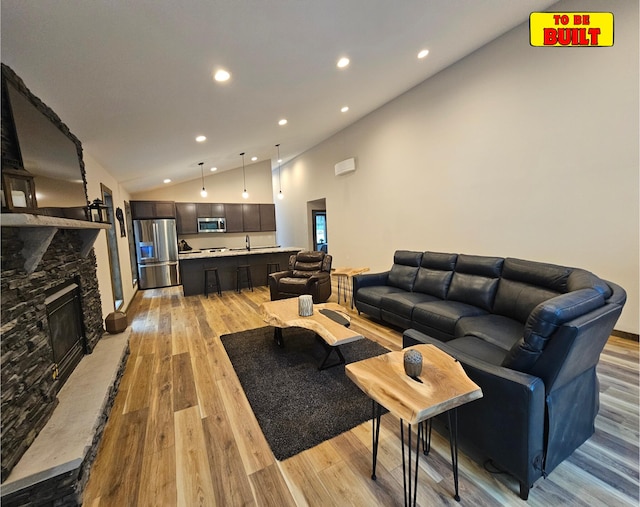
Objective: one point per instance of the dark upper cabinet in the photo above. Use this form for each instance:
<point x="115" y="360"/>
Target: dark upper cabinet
<point x="233" y="213"/>
<point x="210" y="210"/>
<point x="152" y="209"/>
<point x="267" y="217"/>
<point x="251" y="217"/>
<point x="186" y="218"/>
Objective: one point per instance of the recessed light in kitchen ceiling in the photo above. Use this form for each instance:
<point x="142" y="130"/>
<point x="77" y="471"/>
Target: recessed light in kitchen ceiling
<point x="253" y="159"/>
<point x="423" y="53"/>
<point x="221" y="75"/>
<point x="201" y="139"/>
<point x="343" y="62"/>
<point x="344" y="109"/>
<point x="282" y="122"/>
<point x="214" y="169"/>
<point x="167" y="180"/>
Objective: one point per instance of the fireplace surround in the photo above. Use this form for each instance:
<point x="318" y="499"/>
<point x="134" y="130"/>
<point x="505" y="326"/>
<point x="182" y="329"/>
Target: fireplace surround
<point x="41" y="256"/>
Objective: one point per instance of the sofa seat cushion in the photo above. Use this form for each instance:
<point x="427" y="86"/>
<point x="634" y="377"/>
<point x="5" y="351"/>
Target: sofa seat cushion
<point x="444" y="315"/>
<point x="373" y="295"/>
<point x="495" y="329"/>
<point x="292" y="285"/>
<point x="402" y="303"/>
<point x="479" y="349"/>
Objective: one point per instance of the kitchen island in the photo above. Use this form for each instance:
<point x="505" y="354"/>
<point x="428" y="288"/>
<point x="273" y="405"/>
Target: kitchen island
<point x="194" y="262"/>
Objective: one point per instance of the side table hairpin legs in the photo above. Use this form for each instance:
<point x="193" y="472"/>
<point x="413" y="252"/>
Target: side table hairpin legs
<point x="410" y="481"/>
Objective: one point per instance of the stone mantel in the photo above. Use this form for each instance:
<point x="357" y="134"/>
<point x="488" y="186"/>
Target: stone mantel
<point x="37" y="231"/>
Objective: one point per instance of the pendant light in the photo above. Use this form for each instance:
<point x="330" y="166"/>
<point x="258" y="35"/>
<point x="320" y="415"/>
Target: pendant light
<point x="245" y="194"/>
<point x="203" y="192"/>
<point x="280" y="194"/>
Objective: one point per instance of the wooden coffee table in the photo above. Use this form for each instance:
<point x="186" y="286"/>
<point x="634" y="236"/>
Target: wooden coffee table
<point x="331" y="326"/>
<point x="442" y="387"/>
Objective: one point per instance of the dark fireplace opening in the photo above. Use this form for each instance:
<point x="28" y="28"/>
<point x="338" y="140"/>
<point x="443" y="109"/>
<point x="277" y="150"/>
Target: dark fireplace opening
<point x="66" y="330"/>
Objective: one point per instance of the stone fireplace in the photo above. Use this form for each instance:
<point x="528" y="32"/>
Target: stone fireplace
<point x="30" y="375"/>
<point x="51" y="317"/>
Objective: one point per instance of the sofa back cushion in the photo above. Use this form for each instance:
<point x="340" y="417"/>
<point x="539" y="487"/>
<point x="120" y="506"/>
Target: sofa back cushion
<point x="475" y="280"/>
<point x="526" y="284"/>
<point x="545" y="320"/>
<point x="404" y="270"/>
<point x="434" y="275"/>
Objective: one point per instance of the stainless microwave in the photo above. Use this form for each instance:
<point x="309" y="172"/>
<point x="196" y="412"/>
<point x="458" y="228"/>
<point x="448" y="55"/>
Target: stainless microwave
<point x="212" y="225"/>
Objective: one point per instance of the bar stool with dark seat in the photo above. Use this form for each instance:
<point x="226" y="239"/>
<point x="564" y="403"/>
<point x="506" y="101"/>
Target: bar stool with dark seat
<point x="208" y="283"/>
<point x="247" y="271"/>
<point x="272" y="267"/>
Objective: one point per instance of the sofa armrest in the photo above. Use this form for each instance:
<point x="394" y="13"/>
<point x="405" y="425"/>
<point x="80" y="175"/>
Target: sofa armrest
<point x="507" y="423"/>
<point x="369" y="280"/>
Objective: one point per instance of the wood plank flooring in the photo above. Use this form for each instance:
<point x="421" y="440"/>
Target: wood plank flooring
<point x="182" y="432"/>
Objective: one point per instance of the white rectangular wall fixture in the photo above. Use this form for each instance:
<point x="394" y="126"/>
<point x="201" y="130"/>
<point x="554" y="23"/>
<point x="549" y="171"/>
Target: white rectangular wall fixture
<point x="346" y="166"/>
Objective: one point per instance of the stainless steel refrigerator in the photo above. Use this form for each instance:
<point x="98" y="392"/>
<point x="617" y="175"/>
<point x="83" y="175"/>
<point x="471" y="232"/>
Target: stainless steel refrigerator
<point x="156" y="252"/>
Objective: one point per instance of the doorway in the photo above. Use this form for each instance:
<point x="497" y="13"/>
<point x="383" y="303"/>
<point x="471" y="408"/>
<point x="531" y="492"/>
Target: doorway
<point x="112" y="242"/>
<point x="320" y="241"/>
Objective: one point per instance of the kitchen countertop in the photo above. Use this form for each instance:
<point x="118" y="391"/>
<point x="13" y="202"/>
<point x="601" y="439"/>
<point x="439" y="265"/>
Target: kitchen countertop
<point x="233" y="252"/>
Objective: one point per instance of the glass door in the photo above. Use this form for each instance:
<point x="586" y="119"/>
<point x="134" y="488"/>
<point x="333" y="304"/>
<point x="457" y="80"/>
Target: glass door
<point x="320" y="242"/>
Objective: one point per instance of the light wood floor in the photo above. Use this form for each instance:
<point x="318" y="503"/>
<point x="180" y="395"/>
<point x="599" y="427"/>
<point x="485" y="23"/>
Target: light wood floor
<point x="182" y="432"/>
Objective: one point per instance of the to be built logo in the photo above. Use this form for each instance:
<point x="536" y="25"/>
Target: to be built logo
<point x="550" y="29"/>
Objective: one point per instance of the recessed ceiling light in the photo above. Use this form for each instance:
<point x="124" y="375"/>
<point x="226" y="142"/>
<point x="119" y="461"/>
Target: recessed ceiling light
<point x="253" y="159"/>
<point x="279" y="161"/>
<point x="343" y="62"/>
<point x="423" y="53"/>
<point x="282" y="122"/>
<point x="344" y="109"/>
<point x="201" y="139"/>
<point x="214" y="169"/>
<point x="221" y="75"/>
<point x="167" y="180"/>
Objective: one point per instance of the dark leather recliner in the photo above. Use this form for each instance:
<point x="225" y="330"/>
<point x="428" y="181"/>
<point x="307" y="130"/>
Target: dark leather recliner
<point x="308" y="273"/>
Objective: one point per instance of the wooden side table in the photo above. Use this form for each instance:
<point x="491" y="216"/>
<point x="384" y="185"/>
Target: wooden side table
<point x="441" y="387"/>
<point x="344" y="275"/>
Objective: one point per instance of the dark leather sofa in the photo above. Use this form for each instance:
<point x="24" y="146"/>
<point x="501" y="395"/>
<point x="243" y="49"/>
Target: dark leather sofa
<point x="308" y="273"/>
<point x="529" y="334"/>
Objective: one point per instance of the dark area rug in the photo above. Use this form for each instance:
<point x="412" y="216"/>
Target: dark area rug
<point x="297" y="405"/>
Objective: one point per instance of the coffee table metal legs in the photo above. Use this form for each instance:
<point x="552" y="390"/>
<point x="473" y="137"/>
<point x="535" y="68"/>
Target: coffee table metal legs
<point x="277" y="337"/>
<point x="329" y="349"/>
<point x="410" y="482"/>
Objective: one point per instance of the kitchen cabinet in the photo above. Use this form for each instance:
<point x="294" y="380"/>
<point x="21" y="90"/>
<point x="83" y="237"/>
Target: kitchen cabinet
<point x="239" y="217"/>
<point x="152" y="209"/>
<point x="210" y="210"/>
<point x="251" y="217"/>
<point x="233" y="214"/>
<point x="267" y="217"/>
<point x="186" y="218"/>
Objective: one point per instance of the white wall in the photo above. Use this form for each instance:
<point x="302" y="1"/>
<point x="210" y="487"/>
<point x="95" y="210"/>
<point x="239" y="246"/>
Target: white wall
<point x="96" y="175"/>
<point x="513" y="151"/>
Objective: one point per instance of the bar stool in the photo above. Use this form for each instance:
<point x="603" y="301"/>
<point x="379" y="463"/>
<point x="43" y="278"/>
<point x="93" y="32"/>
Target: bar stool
<point x="272" y="267"/>
<point x="207" y="282"/>
<point x="247" y="271"/>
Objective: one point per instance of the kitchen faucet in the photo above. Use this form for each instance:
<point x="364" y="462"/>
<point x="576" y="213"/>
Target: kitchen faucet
<point x="247" y="242"/>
